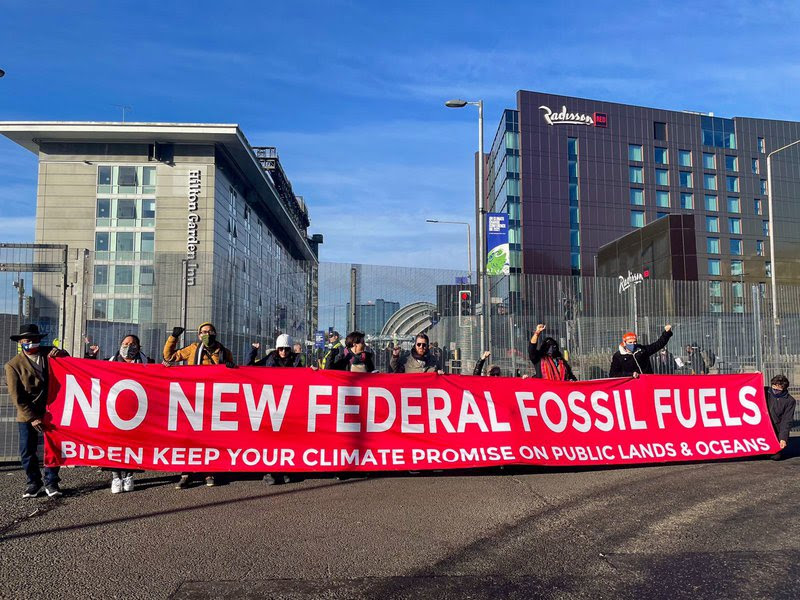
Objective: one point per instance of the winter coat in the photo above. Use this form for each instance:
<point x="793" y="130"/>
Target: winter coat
<point x="332" y="355"/>
<point x="625" y="363"/>
<point x="781" y="413"/>
<point x="217" y="354"/>
<point x="413" y="363"/>
<point x="663" y="364"/>
<point x="27" y="386"/>
<point x="363" y="362"/>
<point x="536" y="353"/>
<point x="274" y="360"/>
<point x="141" y="358"/>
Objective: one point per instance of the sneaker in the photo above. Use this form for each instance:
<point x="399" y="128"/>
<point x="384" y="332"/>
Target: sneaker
<point x="33" y="490"/>
<point x="53" y="491"/>
<point x="127" y="484"/>
<point x="183" y="483"/>
<point x="269" y="479"/>
<point x="210" y="481"/>
<point x="116" y="485"/>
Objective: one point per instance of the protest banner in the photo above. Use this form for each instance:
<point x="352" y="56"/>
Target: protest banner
<point x="255" y="419"/>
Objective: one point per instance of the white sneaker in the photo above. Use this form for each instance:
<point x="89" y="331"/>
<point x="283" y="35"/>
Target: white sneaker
<point x="127" y="483"/>
<point x="116" y="485"/>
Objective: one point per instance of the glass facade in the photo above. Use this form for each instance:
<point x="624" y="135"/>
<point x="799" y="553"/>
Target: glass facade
<point x="718" y="132"/>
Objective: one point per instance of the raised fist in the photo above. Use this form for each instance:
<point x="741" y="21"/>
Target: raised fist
<point x="667" y="327"/>
<point x="177" y="331"/>
<point x="540" y="328"/>
<point x="256" y="345"/>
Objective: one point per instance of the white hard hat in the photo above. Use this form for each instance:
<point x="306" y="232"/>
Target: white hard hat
<point x="283" y="341"/>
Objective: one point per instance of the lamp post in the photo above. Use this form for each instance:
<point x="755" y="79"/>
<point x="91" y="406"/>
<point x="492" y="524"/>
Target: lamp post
<point x="469" y="242"/>
<point x="774" y="262"/>
<point x="480" y="222"/>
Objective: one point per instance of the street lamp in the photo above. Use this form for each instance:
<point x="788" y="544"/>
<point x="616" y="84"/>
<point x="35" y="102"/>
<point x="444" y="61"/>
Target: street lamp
<point x="469" y="243"/>
<point x="480" y="222"/>
<point x="772" y="259"/>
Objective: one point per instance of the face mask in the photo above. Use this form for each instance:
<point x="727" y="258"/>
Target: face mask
<point x="30" y="346"/>
<point x="630" y="347"/>
<point x="128" y="351"/>
<point x="779" y="393"/>
<point x="551" y="350"/>
<point x="208" y="339"/>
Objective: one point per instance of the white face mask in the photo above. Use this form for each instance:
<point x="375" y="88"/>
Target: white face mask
<point x="127" y="351"/>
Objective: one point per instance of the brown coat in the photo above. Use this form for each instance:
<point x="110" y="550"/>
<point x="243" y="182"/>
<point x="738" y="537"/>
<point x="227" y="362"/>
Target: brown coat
<point x="219" y="355"/>
<point x="28" y="389"/>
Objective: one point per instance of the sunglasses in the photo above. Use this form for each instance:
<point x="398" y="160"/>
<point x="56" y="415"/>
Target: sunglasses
<point x="422" y="345"/>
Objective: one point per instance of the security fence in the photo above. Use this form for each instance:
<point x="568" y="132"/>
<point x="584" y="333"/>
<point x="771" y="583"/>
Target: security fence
<point x="82" y="299"/>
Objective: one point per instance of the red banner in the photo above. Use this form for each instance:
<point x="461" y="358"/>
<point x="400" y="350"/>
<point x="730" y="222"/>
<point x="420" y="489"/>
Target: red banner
<point x="216" y="419"/>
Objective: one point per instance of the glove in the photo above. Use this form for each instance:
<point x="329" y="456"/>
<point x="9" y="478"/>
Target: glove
<point x="177" y="331"/>
<point x="230" y="364"/>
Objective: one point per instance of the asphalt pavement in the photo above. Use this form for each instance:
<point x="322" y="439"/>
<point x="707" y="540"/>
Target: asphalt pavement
<point x="703" y="530"/>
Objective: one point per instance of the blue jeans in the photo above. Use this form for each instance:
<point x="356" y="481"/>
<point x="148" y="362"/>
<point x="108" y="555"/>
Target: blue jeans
<point x="28" y="443"/>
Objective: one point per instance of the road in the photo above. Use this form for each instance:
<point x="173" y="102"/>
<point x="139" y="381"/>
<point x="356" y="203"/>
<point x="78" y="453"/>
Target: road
<point x="702" y="530"/>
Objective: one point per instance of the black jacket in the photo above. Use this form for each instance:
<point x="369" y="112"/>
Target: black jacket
<point x="273" y="360"/>
<point x="663" y="364"/>
<point x="347" y="361"/>
<point x="536" y="353"/>
<point x="781" y="413"/>
<point x="625" y="365"/>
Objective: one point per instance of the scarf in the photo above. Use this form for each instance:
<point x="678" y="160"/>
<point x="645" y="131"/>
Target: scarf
<point x="555" y="370"/>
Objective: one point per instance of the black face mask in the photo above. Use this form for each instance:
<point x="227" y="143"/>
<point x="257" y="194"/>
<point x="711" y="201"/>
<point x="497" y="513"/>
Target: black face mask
<point x="551" y="350"/>
<point x="780" y="394"/>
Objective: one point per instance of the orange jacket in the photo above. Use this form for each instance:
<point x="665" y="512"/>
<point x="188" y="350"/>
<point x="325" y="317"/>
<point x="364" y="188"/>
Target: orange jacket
<point x="218" y="355"/>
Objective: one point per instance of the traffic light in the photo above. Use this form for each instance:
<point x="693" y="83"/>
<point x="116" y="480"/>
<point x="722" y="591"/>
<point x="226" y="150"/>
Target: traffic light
<point x="464" y="303"/>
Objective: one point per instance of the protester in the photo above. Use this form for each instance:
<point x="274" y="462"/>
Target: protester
<point x="130" y="351"/>
<point x="780" y="405"/>
<point x="664" y="362"/>
<point x="387" y="356"/>
<point x="419" y="360"/>
<point x="695" y="360"/>
<point x="298" y="349"/>
<point x="27" y="377"/>
<point x="633" y="359"/>
<point x="333" y="351"/>
<point x="206" y="351"/>
<point x="436" y="352"/>
<point x="355" y="357"/>
<point x="548" y="362"/>
<point x="282" y="356"/>
<point x="494" y="370"/>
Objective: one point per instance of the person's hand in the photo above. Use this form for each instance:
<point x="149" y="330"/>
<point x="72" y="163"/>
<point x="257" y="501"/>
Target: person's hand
<point x="486" y="354"/>
<point x="783" y="444"/>
<point x="57" y="353"/>
<point x="256" y="345"/>
<point x="525" y="376"/>
<point x="440" y="372"/>
<point x="314" y="368"/>
<point x="667" y="327"/>
<point x="230" y="364"/>
<point x="540" y="328"/>
<point x="166" y="363"/>
<point x="37" y="425"/>
<point x="636" y="374"/>
<point x="177" y="331"/>
<point x="375" y="371"/>
<point x="95" y="349"/>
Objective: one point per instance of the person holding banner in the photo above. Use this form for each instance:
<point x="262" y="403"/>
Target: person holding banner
<point x="494" y="370"/>
<point x="206" y="351"/>
<point x="419" y="360"/>
<point x="780" y="405"/>
<point x="130" y="351"/>
<point x="548" y="362"/>
<point x="633" y="359"/>
<point x="27" y="376"/>
<point x="356" y="357"/>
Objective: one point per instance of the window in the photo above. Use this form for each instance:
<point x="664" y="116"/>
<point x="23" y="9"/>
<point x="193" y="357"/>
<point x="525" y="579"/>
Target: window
<point x="709" y="160"/>
<point x="572" y="147"/>
<point x="768" y="268"/>
<point x="662" y="199"/>
<point x="765" y="228"/>
<point x="711" y="202"/>
<point x="101" y="241"/>
<point x="755" y="166"/>
<point x="714" y="266"/>
<point x="148" y="208"/>
<point x="637" y="218"/>
<point x="124" y="241"/>
<point x="573" y="170"/>
<point x="737" y="267"/>
<point x="762" y="289"/>
<point x="734" y="225"/>
<point x="660" y="131"/>
<point x="761" y="145"/>
<point x="101" y="274"/>
<point x="715" y="288"/>
<point x="738" y="289"/>
<point x="731" y="163"/>
<point x="736" y="247"/>
<point x="149" y="180"/>
<point x="685" y="158"/>
<point x="637" y="197"/>
<point x="662" y="177"/>
<point x="145" y="310"/>
<point x="734" y="206"/>
<point x="104" y="177"/>
<point x="635" y="152"/>
<point x="99" y="309"/>
<point x="123" y="275"/>
<point x="759" y="247"/>
<point x="126" y="210"/>
<point x="732" y="183"/>
<point x="715" y="307"/>
<point x="712" y="245"/>
<point x="764" y="187"/>
<point x="758" y="207"/>
<point x="103" y="208"/>
<point x="709" y="181"/>
<point x="122" y="310"/>
<point x="146" y="275"/>
<point x="661" y="156"/>
<point x="687" y="201"/>
<point x="712" y="224"/>
<point x="718" y="132"/>
<point x="685" y="178"/>
<point x="147" y="241"/>
<point x="127" y="179"/>
<point x="636" y="174"/>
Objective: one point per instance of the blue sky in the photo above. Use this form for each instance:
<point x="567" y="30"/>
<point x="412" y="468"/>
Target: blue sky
<point x="352" y="93"/>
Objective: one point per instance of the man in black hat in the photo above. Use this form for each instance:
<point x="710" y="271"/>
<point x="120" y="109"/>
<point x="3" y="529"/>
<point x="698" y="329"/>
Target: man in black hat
<point x="26" y="376"/>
